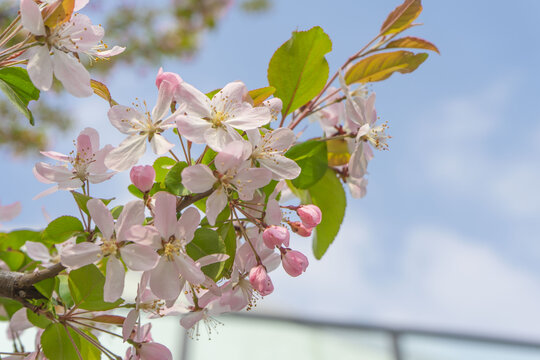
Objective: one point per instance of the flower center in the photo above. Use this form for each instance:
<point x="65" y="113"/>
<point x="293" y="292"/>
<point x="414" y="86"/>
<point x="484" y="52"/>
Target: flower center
<point x="109" y="247"/>
<point x="171" y="249"/>
<point x="218" y="118"/>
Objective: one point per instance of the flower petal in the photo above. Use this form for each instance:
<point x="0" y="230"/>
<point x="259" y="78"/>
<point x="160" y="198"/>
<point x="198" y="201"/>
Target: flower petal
<point x="79" y="255"/>
<point x="198" y="178"/>
<point x="187" y="224"/>
<point x="9" y="212"/>
<point x="127" y="153"/>
<point x="40" y="67"/>
<point x="114" y="280"/>
<point x="31" y="17"/>
<point x="198" y="104"/>
<point x="215" y="204"/>
<point x="102" y="217"/>
<point x="165" y="214"/>
<point x="37" y="251"/>
<point x="127" y="120"/>
<point x="164" y="279"/>
<point x="139" y="257"/>
<point x="132" y="214"/>
<point x="72" y="74"/>
<point x="189" y="270"/>
<point x="160" y="145"/>
<point x="192" y="128"/>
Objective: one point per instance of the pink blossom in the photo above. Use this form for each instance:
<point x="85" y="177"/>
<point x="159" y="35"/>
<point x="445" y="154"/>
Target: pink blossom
<point x="87" y="165"/>
<point x="175" y="267"/>
<point x="61" y="49"/>
<point x="310" y="215"/>
<point x="214" y="121"/>
<point x="276" y="236"/>
<point x="234" y="174"/>
<point x="294" y="262"/>
<point x="357" y="186"/>
<point x="300" y="228"/>
<point x="146" y="348"/>
<point x="269" y="149"/>
<point x="141" y="126"/>
<point x="259" y="279"/>
<point x="115" y="244"/>
<point x="172" y="78"/>
<point x="142" y="177"/>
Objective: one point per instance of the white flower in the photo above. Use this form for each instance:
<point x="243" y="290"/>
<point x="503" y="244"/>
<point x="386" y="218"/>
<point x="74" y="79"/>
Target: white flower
<point x="214" y="121"/>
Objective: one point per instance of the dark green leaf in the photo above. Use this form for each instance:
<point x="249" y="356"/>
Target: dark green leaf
<point x="312" y="158"/>
<point x="46" y="287"/>
<point x="86" y="287"/>
<point x="206" y="242"/>
<point x="18" y="88"/>
<point x="13" y="259"/>
<point x="15" y="239"/>
<point x="298" y="69"/>
<point x="228" y="234"/>
<point x="41" y="321"/>
<point x="82" y="199"/>
<point x="173" y="180"/>
<point x="63" y="290"/>
<point x="62" y="228"/>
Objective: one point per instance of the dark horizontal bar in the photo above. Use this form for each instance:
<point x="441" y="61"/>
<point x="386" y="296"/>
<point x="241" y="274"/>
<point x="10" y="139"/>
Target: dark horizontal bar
<point x="393" y="331"/>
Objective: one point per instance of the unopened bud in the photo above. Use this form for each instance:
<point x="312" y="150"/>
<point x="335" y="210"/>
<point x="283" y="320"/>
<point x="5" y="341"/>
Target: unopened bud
<point x="259" y="279"/>
<point x="294" y="262"/>
<point x="142" y="177"/>
<point x="276" y="236"/>
<point x="173" y="78"/>
<point x="300" y="228"/>
<point x="310" y="215"/>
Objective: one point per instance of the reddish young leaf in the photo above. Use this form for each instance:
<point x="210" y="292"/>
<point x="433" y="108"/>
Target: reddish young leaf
<point x="259" y="95"/>
<point x="109" y="319"/>
<point x="411" y="42"/>
<point x="401" y="17"/>
<point x="102" y="91"/>
<point x="380" y="66"/>
<point x="58" y="12"/>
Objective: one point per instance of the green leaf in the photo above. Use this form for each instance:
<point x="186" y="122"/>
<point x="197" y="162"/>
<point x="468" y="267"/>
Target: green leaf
<point x="135" y="192"/>
<point x="208" y="156"/>
<point x="46" y="287"/>
<point x="312" y="158"/>
<point x="381" y="66"/>
<point x="259" y="95"/>
<point x="40" y="321"/>
<point x="11" y="306"/>
<point x="212" y="93"/>
<point x="228" y="234"/>
<point x="116" y="211"/>
<point x="411" y="42"/>
<point x="82" y="199"/>
<point x="162" y="165"/>
<point x="57" y="344"/>
<point x="62" y="228"/>
<point x="89" y="351"/>
<point x="329" y="196"/>
<point x="206" y="242"/>
<point x="86" y="287"/>
<point x="15" y="239"/>
<point x="14" y="259"/>
<point x="401" y="17"/>
<point x="63" y="290"/>
<point x="298" y="69"/>
<point x="17" y="86"/>
<point x="173" y="180"/>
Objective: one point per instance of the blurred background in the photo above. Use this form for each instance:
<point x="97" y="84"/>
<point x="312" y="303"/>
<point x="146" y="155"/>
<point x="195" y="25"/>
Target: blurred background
<point x="446" y="241"/>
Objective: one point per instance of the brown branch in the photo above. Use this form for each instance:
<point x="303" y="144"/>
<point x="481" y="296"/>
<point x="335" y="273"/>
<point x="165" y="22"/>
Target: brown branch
<point x="188" y="200"/>
<point x="20" y="286"/>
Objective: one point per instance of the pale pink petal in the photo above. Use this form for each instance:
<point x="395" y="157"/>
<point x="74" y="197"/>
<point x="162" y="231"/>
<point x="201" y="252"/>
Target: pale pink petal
<point x="211" y="259"/>
<point x="132" y="214"/>
<point x="247" y="181"/>
<point x="31" y="17"/>
<point x="9" y="212"/>
<point x="218" y="138"/>
<point x="154" y="351"/>
<point x="187" y="224"/>
<point x="232" y="155"/>
<point x="164" y="279"/>
<point x="192" y="128"/>
<point x="129" y="323"/>
<point x="215" y="204"/>
<point x="281" y="166"/>
<point x="191" y="318"/>
<point x="188" y="269"/>
<point x="115" y="50"/>
<point x="114" y="280"/>
<point x="98" y="167"/>
<point x="18" y="322"/>
<point x="127" y="120"/>
<point x="273" y="213"/>
<point x="198" y="178"/>
<point x="79" y="4"/>
<point x="72" y="74"/>
<point x="250" y="119"/>
<point x="230" y="96"/>
<point x="101" y="216"/>
<point x="165" y="97"/>
<point x="93" y="135"/>
<point x="358" y="162"/>
<point x="46" y="192"/>
<point x="139" y="257"/>
<point x="55" y="156"/>
<point x="280" y="139"/>
<point x="40" y="67"/>
<point x="52" y="173"/>
<point x="198" y="104"/>
<point x="37" y="251"/>
<point x="160" y="145"/>
<point x="79" y="255"/>
<point x="165" y="214"/>
<point x="127" y="153"/>
<point x="144" y="235"/>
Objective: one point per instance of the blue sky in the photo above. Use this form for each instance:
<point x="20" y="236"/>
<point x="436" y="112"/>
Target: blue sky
<point x="447" y="236"/>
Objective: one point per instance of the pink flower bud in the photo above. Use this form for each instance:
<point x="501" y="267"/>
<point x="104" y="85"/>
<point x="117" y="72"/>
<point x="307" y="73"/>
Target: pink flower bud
<point x="260" y="280"/>
<point x="276" y="236"/>
<point x="173" y="78"/>
<point x="294" y="262"/>
<point x="310" y="215"/>
<point x="142" y="177"/>
<point x="300" y="228"/>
